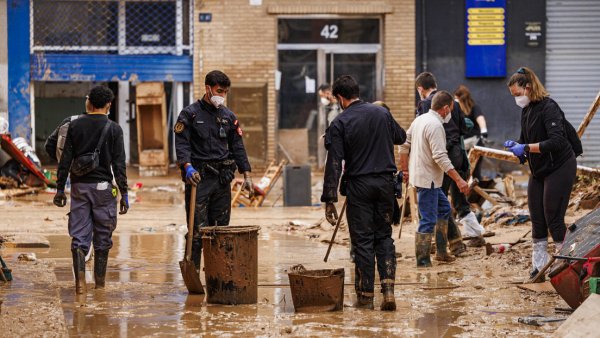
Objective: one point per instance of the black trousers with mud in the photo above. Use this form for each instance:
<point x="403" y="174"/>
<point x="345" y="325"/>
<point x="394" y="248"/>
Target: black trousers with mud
<point x="459" y="201"/>
<point x="548" y="199"/>
<point x="369" y="213"/>
<point x="213" y="207"/>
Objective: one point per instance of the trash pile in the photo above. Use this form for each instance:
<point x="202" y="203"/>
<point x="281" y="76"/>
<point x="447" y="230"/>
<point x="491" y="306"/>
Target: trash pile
<point x="20" y="169"/>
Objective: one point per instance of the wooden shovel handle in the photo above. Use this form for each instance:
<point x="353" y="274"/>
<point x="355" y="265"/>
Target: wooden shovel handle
<point x="190" y="236"/>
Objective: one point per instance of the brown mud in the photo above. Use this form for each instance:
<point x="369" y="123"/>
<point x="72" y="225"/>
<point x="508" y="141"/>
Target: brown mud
<point x="145" y="293"/>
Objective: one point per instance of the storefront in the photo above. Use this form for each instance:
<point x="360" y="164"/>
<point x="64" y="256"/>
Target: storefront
<point x="277" y="53"/>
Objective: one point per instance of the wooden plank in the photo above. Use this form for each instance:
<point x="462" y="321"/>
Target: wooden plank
<point x="538" y="287"/>
<point x="584" y="321"/>
<point x="414" y="207"/>
<point x="589" y="116"/>
<point x="485" y="195"/>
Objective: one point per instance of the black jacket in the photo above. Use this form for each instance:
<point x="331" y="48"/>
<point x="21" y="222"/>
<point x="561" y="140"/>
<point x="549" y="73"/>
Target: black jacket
<point x="198" y="136"/>
<point x="363" y="136"/>
<point x="542" y="122"/>
<point x="455" y="128"/>
<point x="82" y="137"/>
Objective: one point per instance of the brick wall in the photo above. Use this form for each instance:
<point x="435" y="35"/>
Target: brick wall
<point x="241" y="40"/>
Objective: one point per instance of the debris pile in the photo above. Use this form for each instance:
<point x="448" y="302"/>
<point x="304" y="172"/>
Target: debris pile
<point x="20" y="169"/>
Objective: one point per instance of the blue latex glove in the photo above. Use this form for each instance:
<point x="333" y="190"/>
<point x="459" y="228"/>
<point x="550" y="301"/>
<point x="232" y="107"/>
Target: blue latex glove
<point x="518" y="150"/>
<point x="124" y="205"/>
<point x="191" y="175"/>
<point x="509" y="143"/>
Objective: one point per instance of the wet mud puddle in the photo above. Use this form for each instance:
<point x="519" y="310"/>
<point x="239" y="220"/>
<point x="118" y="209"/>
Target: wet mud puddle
<point x="145" y="295"/>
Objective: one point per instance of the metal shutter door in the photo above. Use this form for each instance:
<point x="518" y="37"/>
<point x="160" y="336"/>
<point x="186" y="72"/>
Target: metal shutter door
<point x="573" y="65"/>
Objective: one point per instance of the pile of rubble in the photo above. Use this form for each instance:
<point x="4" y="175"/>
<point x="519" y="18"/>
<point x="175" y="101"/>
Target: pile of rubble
<point x="21" y="172"/>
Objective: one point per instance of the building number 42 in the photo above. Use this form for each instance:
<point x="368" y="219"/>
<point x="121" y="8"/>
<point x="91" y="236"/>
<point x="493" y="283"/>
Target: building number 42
<point x="330" y="32"/>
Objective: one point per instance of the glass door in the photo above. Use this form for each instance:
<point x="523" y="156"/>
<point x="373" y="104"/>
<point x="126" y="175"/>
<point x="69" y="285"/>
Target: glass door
<point x="363" y="67"/>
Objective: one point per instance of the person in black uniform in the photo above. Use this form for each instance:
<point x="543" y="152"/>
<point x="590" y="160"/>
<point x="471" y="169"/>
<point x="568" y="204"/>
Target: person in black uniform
<point x="364" y="137"/>
<point x="426" y="85"/>
<point x="546" y="146"/>
<point x="209" y="147"/>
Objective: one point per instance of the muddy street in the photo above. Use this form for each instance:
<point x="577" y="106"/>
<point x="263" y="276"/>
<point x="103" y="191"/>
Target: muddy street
<point x="145" y="294"/>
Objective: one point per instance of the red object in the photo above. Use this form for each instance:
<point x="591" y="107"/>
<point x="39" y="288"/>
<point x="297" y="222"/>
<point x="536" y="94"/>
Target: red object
<point x="17" y="155"/>
<point x="566" y="276"/>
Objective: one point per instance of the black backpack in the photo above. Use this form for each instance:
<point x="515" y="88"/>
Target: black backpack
<point x="572" y="136"/>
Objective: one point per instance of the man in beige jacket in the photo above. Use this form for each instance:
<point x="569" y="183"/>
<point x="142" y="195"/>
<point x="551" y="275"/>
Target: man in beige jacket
<point x="426" y="143"/>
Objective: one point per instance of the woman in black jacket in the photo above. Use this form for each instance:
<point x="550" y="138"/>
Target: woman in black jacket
<point x="544" y="144"/>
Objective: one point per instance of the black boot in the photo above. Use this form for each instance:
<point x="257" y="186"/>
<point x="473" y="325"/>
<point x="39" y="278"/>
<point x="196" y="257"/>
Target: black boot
<point x="79" y="270"/>
<point x="100" y="262"/>
<point x="389" y="301"/>
<point x="441" y="242"/>
<point x="422" y="247"/>
<point x="364" y="302"/>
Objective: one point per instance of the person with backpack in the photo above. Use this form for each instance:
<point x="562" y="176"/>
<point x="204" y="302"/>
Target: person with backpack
<point x="548" y="145"/>
<point x="93" y="146"/>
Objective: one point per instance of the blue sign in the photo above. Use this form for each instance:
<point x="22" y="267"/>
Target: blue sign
<point x="485" y="38"/>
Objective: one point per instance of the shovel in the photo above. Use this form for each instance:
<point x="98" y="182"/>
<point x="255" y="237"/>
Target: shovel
<point x="191" y="277"/>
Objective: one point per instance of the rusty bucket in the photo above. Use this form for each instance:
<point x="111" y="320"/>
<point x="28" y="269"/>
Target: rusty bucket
<point x="317" y="290"/>
<point x="231" y="264"/>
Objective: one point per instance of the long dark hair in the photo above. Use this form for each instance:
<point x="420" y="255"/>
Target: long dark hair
<point x="464" y="99"/>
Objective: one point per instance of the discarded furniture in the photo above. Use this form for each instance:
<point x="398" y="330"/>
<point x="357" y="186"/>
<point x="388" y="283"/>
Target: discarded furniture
<point x="261" y="189"/>
<point x="38" y="178"/>
<point x="151" y="112"/>
<point x="569" y="276"/>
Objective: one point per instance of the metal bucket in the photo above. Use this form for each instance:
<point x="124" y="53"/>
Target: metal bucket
<point x="317" y="290"/>
<point x="231" y="264"/>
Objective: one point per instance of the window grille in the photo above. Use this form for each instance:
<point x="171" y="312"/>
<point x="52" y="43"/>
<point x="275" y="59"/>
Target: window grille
<point x="112" y="26"/>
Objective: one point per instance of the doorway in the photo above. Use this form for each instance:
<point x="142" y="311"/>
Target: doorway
<point x="312" y="52"/>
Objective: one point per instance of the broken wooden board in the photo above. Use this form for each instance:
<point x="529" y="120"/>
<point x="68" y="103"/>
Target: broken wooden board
<point x="545" y="287"/>
<point x="589" y="116"/>
<point x="26" y="240"/>
<point x="584" y="321"/>
<point x="10" y="193"/>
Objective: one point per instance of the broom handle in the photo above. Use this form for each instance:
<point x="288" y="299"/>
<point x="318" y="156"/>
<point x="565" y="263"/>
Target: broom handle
<point x="336" y="229"/>
<point x="192" y="206"/>
<point x="405" y="192"/>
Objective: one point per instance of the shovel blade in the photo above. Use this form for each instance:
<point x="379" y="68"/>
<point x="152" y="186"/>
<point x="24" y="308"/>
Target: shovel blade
<point x="191" y="277"/>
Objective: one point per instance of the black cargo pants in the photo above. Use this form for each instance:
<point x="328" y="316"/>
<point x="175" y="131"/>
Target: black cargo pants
<point x="213" y="207"/>
<point x="460" y="162"/>
<point x="369" y="213"/>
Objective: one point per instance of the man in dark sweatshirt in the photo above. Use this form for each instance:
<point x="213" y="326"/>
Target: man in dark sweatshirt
<point x="93" y="215"/>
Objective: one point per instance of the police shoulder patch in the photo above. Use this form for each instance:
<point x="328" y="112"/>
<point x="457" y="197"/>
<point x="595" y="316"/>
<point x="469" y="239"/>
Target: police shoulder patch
<point x="179" y="127"/>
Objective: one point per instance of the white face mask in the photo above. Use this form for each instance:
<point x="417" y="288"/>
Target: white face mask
<point x="325" y="101"/>
<point x="216" y="100"/>
<point x="522" y="101"/>
<point x="448" y="117"/>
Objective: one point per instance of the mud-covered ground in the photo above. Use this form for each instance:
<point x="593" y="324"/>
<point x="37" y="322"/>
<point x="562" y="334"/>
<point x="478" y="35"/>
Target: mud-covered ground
<point x="145" y="295"/>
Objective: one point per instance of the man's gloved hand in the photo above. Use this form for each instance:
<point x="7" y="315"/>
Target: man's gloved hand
<point x="124" y="204"/>
<point x="248" y="185"/>
<point x="331" y="213"/>
<point x="191" y="175"/>
<point x="60" y="199"/>
<point x="509" y="143"/>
